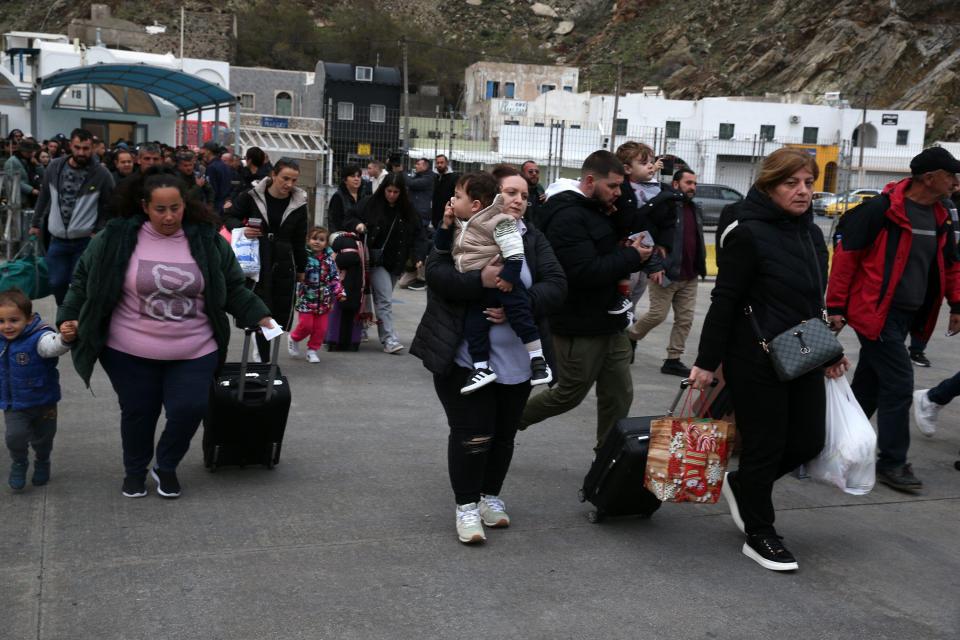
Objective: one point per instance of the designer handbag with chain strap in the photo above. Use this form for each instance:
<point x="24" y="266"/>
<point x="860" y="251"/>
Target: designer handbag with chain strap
<point x="801" y="348"/>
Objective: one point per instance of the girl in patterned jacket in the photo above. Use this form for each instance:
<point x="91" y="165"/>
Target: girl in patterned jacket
<point x="321" y="286"/>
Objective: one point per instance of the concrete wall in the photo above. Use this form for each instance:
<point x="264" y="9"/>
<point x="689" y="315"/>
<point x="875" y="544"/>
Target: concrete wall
<point x="265" y="84"/>
<point x="54" y="121"/>
<point x="527" y="79"/>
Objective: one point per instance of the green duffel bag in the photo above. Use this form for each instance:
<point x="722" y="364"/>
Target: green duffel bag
<point x="27" y="271"/>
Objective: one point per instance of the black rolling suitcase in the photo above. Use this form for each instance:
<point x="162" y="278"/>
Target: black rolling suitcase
<point x="614" y="484"/>
<point x="249" y="404"/>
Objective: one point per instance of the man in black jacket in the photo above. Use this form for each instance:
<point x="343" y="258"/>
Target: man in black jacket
<point x="443" y="187"/>
<point x="581" y="223"/>
<point x="685" y="265"/>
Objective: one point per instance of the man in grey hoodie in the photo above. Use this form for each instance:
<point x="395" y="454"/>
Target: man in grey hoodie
<point x="72" y="207"/>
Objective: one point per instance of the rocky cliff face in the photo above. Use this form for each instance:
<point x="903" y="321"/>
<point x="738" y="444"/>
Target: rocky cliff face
<point x="891" y="53"/>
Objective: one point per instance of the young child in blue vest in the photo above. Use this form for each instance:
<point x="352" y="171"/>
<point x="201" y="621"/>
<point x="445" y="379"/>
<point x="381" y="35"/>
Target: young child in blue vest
<point x="29" y="384"/>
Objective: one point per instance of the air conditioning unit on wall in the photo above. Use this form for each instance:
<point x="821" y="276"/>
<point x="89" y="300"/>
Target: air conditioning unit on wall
<point x="794" y="119"/>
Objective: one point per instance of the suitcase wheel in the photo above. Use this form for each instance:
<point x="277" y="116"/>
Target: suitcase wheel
<point x="594" y="516"/>
<point x="956" y="465"/>
<point x="581" y="496"/>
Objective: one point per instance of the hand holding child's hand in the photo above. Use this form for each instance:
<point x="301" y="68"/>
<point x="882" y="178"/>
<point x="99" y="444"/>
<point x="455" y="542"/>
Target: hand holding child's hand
<point x="504" y="285"/>
<point x="68" y="331"/>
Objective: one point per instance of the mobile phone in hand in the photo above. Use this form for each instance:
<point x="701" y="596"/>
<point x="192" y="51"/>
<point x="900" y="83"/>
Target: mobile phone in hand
<point x="646" y="239"/>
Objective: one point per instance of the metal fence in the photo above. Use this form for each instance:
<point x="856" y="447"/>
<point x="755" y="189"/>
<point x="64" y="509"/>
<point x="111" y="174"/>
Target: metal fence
<point x="560" y="146"/>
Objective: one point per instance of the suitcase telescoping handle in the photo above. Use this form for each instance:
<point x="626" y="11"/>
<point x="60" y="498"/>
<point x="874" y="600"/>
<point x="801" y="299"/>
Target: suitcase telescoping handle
<point x="684" y="385"/>
<point x="244" y="360"/>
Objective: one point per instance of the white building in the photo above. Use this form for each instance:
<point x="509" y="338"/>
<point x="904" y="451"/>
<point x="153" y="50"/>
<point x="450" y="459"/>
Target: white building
<point x="722" y="138"/>
<point x="110" y="111"/>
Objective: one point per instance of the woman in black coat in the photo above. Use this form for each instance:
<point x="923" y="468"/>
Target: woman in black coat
<point x="343" y="202"/>
<point x="394" y="236"/>
<point x="774" y="259"/>
<point x="275" y="212"/>
<point x="483" y="424"/>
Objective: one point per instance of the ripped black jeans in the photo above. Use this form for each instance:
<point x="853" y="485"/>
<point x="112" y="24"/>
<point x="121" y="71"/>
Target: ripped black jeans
<point x="483" y="426"/>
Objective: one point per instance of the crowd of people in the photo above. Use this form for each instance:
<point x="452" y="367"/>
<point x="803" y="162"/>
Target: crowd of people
<point x="526" y="286"/>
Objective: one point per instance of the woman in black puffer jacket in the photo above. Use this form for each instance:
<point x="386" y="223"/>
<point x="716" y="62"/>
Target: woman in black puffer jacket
<point x="483" y="424"/>
<point x="774" y="259"/>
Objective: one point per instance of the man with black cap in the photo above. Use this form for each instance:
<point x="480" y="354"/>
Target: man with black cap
<point x="895" y="261"/>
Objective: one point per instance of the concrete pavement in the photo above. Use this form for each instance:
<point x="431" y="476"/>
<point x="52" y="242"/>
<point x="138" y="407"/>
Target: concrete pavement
<point x="352" y="535"/>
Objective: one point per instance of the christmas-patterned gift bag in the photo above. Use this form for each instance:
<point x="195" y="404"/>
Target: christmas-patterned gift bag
<point x="687" y="459"/>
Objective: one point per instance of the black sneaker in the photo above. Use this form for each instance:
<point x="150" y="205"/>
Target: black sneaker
<point x="767" y="550"/>
<point x="673" y="367"/>
<point x="417" y="285"/>
<point x="622" y="305"/>
<point x="900" y="478"/>
<point x="479" y="378"/>
<point x="167" y="484"/>
<point x="919" y="358"/>
<point x="540" y="372"/>
<point x="134" y="486"/>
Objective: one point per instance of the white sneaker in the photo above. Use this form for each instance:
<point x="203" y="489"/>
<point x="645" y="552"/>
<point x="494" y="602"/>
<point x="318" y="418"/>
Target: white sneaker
<point x="293" y="348"/>
<point x="312" y="356"/>
<point x="392" y="346"/>
<point x="493" y="512"/>
<point x="469" y="524"/>
<point x="925" y="412"/>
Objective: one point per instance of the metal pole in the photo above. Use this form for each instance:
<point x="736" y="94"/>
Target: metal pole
<point x="436" y="133"/>
<point x="406" y="101"/>
<point x="216" y="123"/>
<point x="199" y="127"/>
<point x="563" y="130"/>
<point x="861" y="178"/>
<point x="550" y="152"/>
<point x="236" y="127"/>
<point x="451" y="135"/>
<point x="616" y="107"/>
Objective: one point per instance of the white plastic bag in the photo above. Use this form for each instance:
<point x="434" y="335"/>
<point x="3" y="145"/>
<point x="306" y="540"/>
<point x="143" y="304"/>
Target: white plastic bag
<point x="849" y="455"/>
<point x="247" y="251"/>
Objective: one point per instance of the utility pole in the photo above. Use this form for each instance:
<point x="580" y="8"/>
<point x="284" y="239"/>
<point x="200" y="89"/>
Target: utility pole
<point x="406" y="101"/>
<point x="860" y="138"/>
<point x="616" y="107"/>
<point x="183" y="14"/>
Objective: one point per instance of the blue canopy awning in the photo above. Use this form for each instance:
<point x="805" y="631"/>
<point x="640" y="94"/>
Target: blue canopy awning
<point x="185" y="91"/>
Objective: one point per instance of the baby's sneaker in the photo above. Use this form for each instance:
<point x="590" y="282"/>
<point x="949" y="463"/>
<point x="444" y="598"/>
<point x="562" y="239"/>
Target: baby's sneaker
<point x="18" y="475"/>
<point x="479" y="378"/>
<point x="622" y="305"/>
<point x="312" y="356"/>
<point x="540" y="372"/>
<point x="41" y="472"/>
<point x="293" y="348"/>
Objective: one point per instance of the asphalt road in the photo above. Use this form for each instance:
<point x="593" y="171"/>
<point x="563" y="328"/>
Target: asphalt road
<point x="352" y="535"/>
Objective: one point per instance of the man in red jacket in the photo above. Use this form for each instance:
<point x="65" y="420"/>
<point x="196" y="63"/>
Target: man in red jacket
<point x="894" y="262"/>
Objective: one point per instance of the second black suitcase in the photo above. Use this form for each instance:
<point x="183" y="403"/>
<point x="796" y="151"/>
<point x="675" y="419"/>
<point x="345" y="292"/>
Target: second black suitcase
<point x="247" y="417"/>
<point x="614" y="484"/>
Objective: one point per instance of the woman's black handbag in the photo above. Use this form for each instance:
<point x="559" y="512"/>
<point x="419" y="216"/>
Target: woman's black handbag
<point x="376" y="255"/>
<point x="801" y="348"/>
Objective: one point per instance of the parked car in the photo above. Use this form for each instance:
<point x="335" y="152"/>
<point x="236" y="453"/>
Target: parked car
<point x="713" y="198"/>
<point x="843" y="203"/>
<point x="820" y="201"/>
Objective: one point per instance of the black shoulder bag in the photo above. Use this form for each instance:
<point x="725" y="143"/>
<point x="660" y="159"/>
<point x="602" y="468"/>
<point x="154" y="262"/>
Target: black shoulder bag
<point x="803" y="347"/>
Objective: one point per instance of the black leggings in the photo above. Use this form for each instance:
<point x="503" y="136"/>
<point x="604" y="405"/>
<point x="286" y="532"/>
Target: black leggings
<point x="781" y="426"/>
<point x="483" y="426"/>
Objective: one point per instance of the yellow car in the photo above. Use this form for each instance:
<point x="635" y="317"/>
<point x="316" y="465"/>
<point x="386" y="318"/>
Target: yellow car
<point x="842" y="204"/>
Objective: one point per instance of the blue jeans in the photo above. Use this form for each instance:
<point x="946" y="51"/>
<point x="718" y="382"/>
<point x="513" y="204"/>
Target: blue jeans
<point x="62" y="258"/>
<point x="144" y="387"/>
<point x="883" y="384"/>
<point x="946" y="391"/>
